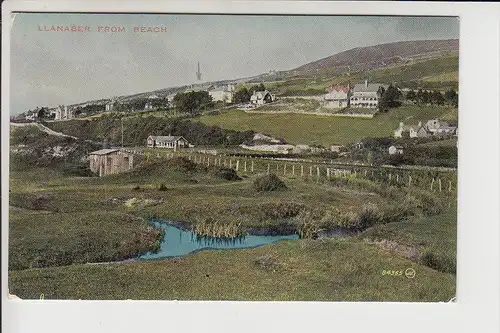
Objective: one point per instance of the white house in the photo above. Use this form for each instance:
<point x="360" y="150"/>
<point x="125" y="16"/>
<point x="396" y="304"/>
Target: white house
<point x="262" y="97"/>
<point x="395" y="150"/>
<point x="337" y="97"/>
<point x="430" y="128"/>
<point x="365" y="95"/>
<point x="223" y="94"/>
<point x="148" y="105"/>
<point x="168" y="141"/>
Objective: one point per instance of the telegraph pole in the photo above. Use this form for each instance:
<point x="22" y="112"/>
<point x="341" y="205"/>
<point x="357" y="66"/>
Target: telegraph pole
<point x="122" y="130"/>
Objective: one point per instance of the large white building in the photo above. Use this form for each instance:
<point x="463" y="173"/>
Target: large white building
<point x="222" y="94"/>
<point x="366" y="95"/>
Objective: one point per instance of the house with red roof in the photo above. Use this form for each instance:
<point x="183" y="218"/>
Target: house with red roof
<point x="337" y="97"/>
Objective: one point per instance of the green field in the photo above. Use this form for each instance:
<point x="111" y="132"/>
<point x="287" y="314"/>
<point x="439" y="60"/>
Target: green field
<point x="60" y="226"/>
<point x="325" y="130"/>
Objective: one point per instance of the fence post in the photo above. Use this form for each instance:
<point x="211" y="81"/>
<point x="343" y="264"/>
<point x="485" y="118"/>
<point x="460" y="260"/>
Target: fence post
<point x="230" y="163"/>
<point x="277" y="168"/>
<point x="208" y="162"/>
<point x="390" y="175"/>
<point x="328" y="173"/>
<point x="301" y="170"/>
<point x="397" y="178"/>
<point x="245" y="166"/>
<point x="365" y="173"/>
<point x="293" y="169"/>
<point x="310" y="171"/>
<point x="449" y="186"/>
<point x="439" y="181"/>
<point x="409" y="181"/>
<point x="268" y="168"/>
<point x="432" y="183"/>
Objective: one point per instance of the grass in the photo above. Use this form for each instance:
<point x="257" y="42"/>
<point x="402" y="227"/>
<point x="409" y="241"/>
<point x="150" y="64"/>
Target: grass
<point x="324" y="130"/>
<point x="444" y="77"/>
<point x="304" y="270"/>
<point x="58" y="223"/>
<point x="435" y="235"/>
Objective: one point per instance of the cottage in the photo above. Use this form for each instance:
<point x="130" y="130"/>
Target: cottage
<point x="366" y="95"/>
<point x="395" y="150"/>
<point x="336" y="148"/>
<point x="337" y="97"/>
<point x="437" y="127"/>
<point x="262" y="97"/>
<point x="433" y="127"/>
<point x="222" y="94"/>
<point x="110" y="161"/>
<point x="168" y="141"/>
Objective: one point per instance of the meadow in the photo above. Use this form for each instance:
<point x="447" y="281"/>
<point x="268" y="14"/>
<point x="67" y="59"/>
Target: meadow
<point x="64" y="229"/>
<point x="326" y="130"/>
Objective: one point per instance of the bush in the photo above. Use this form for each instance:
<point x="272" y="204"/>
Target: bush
<point x="269" y="182"/>
<point x="162" y="187"/>
<point x="440" y="263"/>
<point x="227" y="174"/>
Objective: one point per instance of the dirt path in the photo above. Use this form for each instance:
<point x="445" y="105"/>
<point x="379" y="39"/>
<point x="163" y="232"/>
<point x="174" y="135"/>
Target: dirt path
<point x="43" y="128"/>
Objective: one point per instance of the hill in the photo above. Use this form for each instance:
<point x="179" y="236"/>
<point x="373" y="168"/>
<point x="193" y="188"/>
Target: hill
<point x="382" y="55"/>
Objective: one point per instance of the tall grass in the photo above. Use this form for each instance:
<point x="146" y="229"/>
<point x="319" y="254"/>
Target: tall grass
<point x="209" y="227"/>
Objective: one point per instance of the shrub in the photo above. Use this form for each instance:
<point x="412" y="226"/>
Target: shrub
<point x="162" y="187"/>
<point x="368" y="216"/>
<point x="227" y="174"/>
<point x="269" y="182"/>
<point x="280" y="210"/>
<point x="308" y="225"/>
<point x="438" y="262"/>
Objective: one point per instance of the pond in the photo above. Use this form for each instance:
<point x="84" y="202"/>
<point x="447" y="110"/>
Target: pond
<point x="178" y="242"/>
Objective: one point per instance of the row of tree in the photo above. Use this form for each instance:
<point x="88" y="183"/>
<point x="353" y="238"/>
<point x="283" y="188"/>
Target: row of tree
<point x="424" y="97"/>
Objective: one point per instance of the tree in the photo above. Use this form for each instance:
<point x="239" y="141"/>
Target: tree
<point x="426" y="97"/>
<point x="259" y="87"/>
<point x="391" y="98"/>
<point x="193" y="101"/>
<point x="411" y="96"/>
<point x="437" y="98"/>
<point x="420" y="96"/>
<point x="451" y="97"/>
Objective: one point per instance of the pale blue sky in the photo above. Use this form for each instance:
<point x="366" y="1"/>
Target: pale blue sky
<point x="52" y="68"/>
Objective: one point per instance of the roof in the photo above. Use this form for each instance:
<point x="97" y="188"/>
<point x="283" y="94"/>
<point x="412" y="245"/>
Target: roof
<point x="338" y="88"/>
<point x="259" y="95"/>
<point x="104" y="151"/>
<point x="167" y="138"/>
<point x="397" y="146"/>
<point x="371" y="87"/>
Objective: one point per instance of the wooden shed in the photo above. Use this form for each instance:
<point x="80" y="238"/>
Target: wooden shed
<point x="110" y="161"/>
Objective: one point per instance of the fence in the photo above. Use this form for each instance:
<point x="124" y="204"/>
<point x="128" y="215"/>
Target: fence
<point x="319" y="171"/>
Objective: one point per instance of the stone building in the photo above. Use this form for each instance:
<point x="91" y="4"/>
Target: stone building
<point x="110" y="161"/>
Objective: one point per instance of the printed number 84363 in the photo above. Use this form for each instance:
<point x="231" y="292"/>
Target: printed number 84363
<point x="392" y="272"/>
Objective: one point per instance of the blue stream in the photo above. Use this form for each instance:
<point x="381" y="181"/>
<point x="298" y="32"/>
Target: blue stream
<point x="178" y="242"/>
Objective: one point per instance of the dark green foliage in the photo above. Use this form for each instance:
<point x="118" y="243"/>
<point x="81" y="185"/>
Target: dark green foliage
<point x="137" y="129"/>
<point x="438" y="262"/>
<point x="269" y="182"/>
<point x="451" y="97"/>
<point x="390" y="98"/>
<point x="242" y="95"/>
<point x="193" y="101"/>
<point x="162" y="187"/>
<point x="411" y="95"/>
<point x="227" y="174"/>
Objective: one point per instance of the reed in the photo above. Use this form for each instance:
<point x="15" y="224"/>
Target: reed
<point x="208" y="227"/>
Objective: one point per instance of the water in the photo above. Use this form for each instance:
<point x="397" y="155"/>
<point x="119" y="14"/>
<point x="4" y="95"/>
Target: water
<point x="178" y="242"/>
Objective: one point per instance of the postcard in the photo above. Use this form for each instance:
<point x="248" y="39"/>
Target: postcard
<point x="233" y="157"/>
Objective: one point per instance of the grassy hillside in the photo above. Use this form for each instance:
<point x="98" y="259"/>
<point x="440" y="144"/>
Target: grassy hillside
<point x="383" y="53"/>
<point x="324" y="130"/>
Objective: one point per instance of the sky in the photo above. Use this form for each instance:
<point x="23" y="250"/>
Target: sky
<point x="50" y="68"/>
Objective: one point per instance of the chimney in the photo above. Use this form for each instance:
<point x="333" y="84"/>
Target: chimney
<point x="366" y="83"/>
